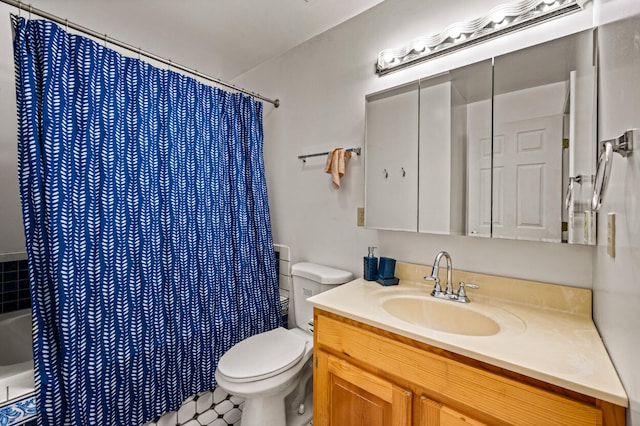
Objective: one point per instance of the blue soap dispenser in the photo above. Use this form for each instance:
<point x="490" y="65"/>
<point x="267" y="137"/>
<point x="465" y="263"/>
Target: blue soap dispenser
<point x="370" y="265"/>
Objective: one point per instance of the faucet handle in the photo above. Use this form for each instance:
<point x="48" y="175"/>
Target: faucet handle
<point x="461" y="292"/>
<point x="436" y="286"/>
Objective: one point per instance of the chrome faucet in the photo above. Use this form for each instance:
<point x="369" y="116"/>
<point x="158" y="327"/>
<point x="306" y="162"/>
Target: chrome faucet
<point x="448" y="294"/>
<point x="437" y="289"/>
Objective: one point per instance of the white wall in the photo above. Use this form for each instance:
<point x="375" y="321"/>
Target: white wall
<point x="616" y="280"/>
<point x="322" y="85"/>
<point x="11" y="230"/>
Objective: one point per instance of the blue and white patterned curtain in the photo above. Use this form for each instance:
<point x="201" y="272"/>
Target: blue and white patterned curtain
<point x="147" y="226"/>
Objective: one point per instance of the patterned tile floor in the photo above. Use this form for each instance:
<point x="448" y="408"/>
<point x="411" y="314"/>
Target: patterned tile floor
<point x="216" y="408"/>
<point x="194" y="412"/>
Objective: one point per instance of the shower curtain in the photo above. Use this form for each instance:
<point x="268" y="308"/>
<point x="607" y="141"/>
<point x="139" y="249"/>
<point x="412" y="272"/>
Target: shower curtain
<point x="147" y="226"/>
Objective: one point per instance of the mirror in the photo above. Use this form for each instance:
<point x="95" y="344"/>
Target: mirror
<point x="503" y="148"/>
<point x="544" y="137"/>
<point x="452" y="107"/>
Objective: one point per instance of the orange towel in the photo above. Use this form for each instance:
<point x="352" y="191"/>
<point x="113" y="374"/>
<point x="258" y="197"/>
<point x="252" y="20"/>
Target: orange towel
<point x="335" y="164"/>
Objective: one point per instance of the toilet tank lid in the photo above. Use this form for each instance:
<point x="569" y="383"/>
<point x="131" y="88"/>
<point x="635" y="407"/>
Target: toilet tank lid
<point x="320" y="273"/>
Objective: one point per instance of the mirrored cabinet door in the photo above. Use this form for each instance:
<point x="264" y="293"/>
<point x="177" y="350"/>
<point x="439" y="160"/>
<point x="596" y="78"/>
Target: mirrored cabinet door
<point x="455" y="108"/>
<point x="441" y="177"/>
<point x="473" y="85"/>
<point x="391" y="161"/>
<point x="544" y="113"/>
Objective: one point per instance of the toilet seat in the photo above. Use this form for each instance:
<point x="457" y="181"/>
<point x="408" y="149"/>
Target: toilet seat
<point x="262" y="356"/>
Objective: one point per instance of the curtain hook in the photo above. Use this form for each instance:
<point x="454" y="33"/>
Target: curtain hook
<point x="19" y="9"/>
<point x="139" y="58"/>
<point x="30" y="11"/>
<point x="105" y="40"/>
<point x="66" y="25"/>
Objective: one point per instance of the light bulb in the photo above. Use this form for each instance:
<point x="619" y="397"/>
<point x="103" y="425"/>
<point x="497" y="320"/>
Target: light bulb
<point x="387" y="57"/>
<point x="419" y="46"/>
<point x="454" y="32"/>
<point x="498" y="17"/>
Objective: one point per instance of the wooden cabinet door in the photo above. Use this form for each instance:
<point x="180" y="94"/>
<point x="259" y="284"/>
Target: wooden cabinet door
<point x="349" y="396"/>
<point x="433" y="413"/>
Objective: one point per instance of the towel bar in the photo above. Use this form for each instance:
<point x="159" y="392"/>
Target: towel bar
<point x="304" y="157"/>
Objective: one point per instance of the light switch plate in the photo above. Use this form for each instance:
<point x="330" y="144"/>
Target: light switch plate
<point x="611" y="234"/>
<point x="360" y="216"/>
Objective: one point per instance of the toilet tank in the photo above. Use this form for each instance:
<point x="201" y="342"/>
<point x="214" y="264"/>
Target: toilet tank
<point x="309" y="279"/>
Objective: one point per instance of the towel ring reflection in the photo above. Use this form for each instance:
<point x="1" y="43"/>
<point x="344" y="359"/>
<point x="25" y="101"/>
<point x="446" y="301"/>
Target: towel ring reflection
<point x="602" y="176"/>
<point x="568" y="199"/>
<point x="623" y="145"/>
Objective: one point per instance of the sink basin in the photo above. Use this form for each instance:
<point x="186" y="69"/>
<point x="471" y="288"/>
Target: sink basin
<point x="440" y="315"/>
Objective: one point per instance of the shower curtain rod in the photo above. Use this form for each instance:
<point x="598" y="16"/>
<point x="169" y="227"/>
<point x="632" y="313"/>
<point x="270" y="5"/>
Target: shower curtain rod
<point x="32" y="10"/>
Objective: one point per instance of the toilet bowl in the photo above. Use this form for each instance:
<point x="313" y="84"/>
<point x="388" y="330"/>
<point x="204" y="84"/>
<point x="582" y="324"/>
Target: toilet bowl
<point x="277" y="359"/>
<point x="273" y="370"/>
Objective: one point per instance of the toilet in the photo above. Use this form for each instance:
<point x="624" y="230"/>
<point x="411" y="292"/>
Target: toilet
<point x="273" y="371"/>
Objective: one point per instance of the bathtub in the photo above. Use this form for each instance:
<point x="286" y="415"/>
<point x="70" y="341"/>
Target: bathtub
<point x="16" y="355"/>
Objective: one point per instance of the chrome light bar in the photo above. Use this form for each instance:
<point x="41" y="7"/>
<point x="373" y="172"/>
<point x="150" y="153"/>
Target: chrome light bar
<point x="501" y="20"/>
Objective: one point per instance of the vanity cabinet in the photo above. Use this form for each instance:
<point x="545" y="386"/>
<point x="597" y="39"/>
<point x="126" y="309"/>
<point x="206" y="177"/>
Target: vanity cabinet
<point x="357" y="397"/>
<point x="434" y="413"/>
<point x="368" y="376"/>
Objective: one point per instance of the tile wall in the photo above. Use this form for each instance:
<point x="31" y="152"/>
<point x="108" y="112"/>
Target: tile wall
<point x="21" y="411"/>
<point x="283" y="266"/>
<point x="14" y="286"/>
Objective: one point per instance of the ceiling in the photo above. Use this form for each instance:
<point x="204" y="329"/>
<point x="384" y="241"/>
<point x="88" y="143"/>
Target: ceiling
<point x="222" y="38"/>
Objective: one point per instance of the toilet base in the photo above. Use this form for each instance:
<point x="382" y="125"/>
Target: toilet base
<point x="275" y="410"/>
<point x="295" y="419"/>
<point x="264" y="411"/>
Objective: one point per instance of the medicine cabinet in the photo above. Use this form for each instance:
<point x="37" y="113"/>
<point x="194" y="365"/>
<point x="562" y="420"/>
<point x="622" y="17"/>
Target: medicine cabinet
<point x="503" y="148"/>
<point x="391" y="168"/>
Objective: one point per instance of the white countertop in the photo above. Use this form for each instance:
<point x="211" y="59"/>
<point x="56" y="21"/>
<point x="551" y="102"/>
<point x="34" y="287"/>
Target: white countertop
<point x="554" y="346"/>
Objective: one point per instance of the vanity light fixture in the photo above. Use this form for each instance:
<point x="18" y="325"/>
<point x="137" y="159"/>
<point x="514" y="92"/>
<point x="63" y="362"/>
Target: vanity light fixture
<point x="500" y="20"/>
